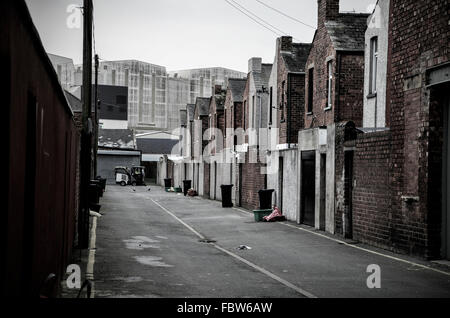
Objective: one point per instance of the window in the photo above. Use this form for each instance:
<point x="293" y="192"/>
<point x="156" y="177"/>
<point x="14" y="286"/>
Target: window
<point x="113" y="78"/>
<point x="283" y="84"/>
<point x="329" y="83"/>
<point x="310" y="90"/>
<point x="253" y="112"/>
<point x="59" y="71"/>
<point x="373" y="65"/>
<point x="121" y="100"/>
<point x="245" y="112"/>
<point x="270" y="105"/>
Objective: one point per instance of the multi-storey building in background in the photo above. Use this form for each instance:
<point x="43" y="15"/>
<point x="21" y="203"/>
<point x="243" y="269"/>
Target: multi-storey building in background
<point x="155" y="96"/>
<point x="202" y="81"/>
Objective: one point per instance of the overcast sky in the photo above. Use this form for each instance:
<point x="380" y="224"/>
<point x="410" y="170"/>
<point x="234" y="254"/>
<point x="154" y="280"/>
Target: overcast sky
<point x="180" y="34"/>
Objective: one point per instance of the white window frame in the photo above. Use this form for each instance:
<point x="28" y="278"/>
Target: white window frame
<point x="330" y="84"/>
<point x="373" y="65"/>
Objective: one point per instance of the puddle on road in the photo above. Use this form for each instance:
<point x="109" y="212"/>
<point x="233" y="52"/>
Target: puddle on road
<point x="132" y="279"/>
<point x="140" y="243"/>
<point x="151" y="261"/>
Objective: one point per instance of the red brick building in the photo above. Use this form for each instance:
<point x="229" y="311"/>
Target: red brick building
<point x="216" y="125"/>
<point x="335" y="67"/>
<point x="201" y="112"/>
<point x="286" y="116"/>
<point x="401" y="175"/>
<point x="254" y="117"/>
<point x="333" y="106"/>
<point x="290" y="86"/>
<point x="42" y="148"/>
<point x="233" y="120"/>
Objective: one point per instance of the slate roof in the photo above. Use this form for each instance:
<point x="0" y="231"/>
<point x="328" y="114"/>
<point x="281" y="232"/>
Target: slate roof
<point x="220" y="101"/>
<point x="183" y="117"/>
<point x="296" y="61"/>
<point x="116" y="138"/>
<point x="202" y="103"/>
<point x="190" y="109"/>
<point x="262" y="79"/>
<point x="237" y="88"/>
<point x="347" y="32"/>
<point x="150" y="146"/>
<point x="74" y="102"/>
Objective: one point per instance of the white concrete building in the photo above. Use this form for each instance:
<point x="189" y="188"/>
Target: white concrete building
<point x="375" y="70"/>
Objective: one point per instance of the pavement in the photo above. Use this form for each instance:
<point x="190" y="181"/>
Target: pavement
<point x="156" y="244"/>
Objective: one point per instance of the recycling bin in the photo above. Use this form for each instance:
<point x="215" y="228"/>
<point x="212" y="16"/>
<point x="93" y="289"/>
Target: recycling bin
<point x="265" y="199"/>
<point x="226" y="195"/>
<point x="94" y="192"/>
<point x="186" y="186"/>
<point x="102" y="182"/>
<point x="167" y="183"/>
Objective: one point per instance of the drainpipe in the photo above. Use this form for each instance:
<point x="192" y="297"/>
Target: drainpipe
<point x="338" y="88"/>
<point x="289" y="84"/>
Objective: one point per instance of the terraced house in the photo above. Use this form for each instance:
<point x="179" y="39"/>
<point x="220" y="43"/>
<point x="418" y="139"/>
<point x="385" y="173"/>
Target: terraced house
<point x="233" y="122"/>
<point x="401" y="172"/>
<point x="254" y="118"/>
<point x="357" y="128"/>
<point x="286" y="116"/>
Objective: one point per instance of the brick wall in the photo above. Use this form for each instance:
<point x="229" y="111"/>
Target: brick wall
<point x="252" y="182"/>
<point x="406" y="162"/>
<point x="418" y="34"/>
<point x="217" y="120"/>
<point x="371" y="194"/>
<point x="351" y="88"/>
<point x="347" y="85"/>
<point x="293" y="91"/>
<point x="321" y="49"/>
<point x="252" y="179"/>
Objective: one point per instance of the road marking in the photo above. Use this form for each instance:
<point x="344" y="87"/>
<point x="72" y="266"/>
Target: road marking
<point x="360" y="248"/>
<point x="91" y="257"/>
<point x="180" y="220"/>
<point x="367" y="250"/>
<point x="242" y="211"/>
<point x="243" y="260"/>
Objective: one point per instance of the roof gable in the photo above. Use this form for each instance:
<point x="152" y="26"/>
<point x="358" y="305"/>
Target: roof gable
<point x="295" y="61"/>
<point x="261" y="79"/>
<point x="347" y="32"/>
<point x="237" y="88"/>
<point x="190" y="108"/>
<point x="202" y="106"/>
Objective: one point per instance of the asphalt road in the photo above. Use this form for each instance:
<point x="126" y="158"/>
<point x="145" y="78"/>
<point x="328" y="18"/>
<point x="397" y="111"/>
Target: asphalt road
<point x="152" y="244"/>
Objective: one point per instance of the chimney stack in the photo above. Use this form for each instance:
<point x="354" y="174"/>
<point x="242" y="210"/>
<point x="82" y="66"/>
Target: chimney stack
<point x="217" y="89"/>
<point x="327" y="10"/>
<point x="255" y="64"/>
<point x="285" y="44"/>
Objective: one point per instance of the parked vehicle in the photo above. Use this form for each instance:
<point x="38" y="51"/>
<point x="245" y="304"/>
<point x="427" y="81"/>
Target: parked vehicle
<point x="138" y="176"/>
<point x="123" y="176"/>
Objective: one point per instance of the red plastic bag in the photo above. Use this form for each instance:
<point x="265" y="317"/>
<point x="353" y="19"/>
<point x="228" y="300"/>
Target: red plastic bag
<point x="275" y="216"/>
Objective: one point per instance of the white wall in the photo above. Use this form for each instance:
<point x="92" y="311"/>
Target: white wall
<point x="311" y="140"/>
<point x="113" y="124"/>
<point x="374" y="114"/>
